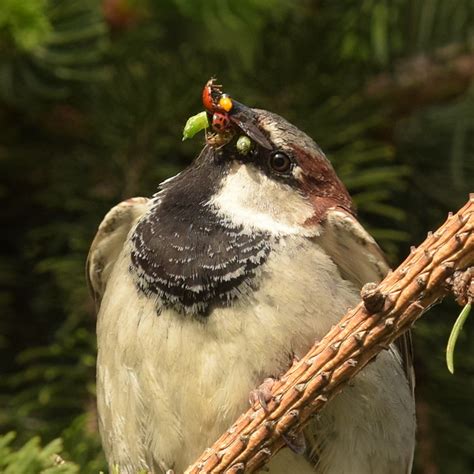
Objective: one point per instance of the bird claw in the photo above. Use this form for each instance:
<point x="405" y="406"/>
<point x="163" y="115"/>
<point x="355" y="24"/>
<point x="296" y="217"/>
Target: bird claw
<point x="262" y="395"/>
<point x="296" y="442"/>
<point x="294" y="359"/>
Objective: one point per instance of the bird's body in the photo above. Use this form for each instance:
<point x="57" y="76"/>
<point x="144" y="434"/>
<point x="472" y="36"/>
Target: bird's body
<point x="214" y="285"/>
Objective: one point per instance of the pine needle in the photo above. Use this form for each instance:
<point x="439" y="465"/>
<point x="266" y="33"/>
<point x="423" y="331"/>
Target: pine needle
<point x="453" y="337"/>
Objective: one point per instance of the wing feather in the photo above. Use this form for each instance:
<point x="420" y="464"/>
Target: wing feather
<point x="109" y="241"/>
<point x="360" y="260"/>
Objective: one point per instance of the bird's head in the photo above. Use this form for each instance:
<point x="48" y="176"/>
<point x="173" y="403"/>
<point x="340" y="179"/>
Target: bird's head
<point x="275" y="177"/>
<point x="258" y="180"/>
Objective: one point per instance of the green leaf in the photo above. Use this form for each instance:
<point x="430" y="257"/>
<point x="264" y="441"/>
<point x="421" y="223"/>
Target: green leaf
<point x="195" y="124"/>
<point x="25" y="22"/>
<point x="453" y="337"/>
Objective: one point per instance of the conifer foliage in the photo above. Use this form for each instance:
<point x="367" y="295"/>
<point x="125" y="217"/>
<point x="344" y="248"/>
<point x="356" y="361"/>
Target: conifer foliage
<point x="93" y="98"/>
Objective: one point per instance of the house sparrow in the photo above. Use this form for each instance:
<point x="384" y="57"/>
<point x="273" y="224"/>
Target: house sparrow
<point x="206" y="289"/>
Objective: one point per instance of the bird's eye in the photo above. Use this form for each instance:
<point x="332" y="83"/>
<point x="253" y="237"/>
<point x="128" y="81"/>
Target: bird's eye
<point x="280" y="162"/>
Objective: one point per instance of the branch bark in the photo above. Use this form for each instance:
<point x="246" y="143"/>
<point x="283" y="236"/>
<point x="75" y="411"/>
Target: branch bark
<point x="406" y="293"/>
<point x="424" y="79"/>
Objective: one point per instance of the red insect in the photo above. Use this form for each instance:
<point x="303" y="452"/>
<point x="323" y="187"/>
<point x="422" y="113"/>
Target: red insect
<point x="220" y="121"/>
<point x="218" y="105"/>
<point x="225" y="113"/>
<point x="211" y="95"/>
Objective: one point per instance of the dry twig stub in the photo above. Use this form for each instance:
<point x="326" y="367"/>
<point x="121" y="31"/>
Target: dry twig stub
<point x="387" y="310"/>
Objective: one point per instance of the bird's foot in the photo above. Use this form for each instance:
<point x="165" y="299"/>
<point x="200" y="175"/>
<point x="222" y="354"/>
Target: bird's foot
<point x="296" y="442"/>
<point x="262" y="395"/>
<point x="294" y="359"/>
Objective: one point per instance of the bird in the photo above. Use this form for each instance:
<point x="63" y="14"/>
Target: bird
<point x="210" y="287"/>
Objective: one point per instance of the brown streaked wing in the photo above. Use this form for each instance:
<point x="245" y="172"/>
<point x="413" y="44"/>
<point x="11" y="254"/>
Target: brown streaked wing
<point x="343" y="236"/>
<point x="108" y="243"/>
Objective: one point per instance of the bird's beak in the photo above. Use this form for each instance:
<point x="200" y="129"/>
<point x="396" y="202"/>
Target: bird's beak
<point x="246" y="119"/>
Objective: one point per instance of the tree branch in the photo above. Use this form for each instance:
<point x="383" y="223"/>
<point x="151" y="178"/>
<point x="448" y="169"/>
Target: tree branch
<point x="400" y="299"/>
<point x="424" y="79"/>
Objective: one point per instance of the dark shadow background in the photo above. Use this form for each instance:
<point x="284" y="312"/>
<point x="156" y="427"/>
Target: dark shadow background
<point x="93" y="98"/>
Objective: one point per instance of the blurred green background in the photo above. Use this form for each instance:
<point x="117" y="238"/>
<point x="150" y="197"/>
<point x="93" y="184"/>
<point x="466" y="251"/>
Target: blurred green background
<point x="93" y="98"/>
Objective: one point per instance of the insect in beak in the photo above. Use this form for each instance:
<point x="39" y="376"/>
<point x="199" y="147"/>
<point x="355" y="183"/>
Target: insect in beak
<point x="224" y="112"/>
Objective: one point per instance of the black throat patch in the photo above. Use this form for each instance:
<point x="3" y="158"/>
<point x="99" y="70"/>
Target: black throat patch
<point x="189" y="256"/>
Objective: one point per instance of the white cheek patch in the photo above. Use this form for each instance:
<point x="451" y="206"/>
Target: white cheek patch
<point x="256" y="202"/>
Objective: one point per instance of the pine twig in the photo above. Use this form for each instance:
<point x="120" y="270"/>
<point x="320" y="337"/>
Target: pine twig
<point x="424" y="79"/>
<point x="391" y="309"/>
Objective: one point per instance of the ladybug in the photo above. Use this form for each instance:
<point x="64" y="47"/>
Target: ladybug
<point x="225" y="113"/>
<point x="220" y="121"/>
<point x="217" y="105"/>
<point x="211" y="94"/>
